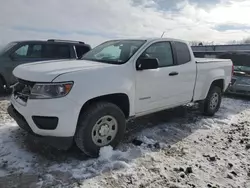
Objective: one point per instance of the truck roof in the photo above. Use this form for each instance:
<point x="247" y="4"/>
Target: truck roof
<point x="53" y="41"/>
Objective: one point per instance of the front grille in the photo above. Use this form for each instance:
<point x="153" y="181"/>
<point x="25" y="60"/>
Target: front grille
<point x="22" y="89"/>
<point x="25" y="82"/>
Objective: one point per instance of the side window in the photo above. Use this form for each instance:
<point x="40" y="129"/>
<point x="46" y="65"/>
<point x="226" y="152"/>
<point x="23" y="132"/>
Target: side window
<point x="49" y="51"/>
<point x="162" y="51"/>
<point x="63" y="51"/>
<point x="29" y="51"/>
<point x="35" y="51"/>
<point x="182" y="53"/>
<point x="56" y="51"/>
<point x="22" y="51"/>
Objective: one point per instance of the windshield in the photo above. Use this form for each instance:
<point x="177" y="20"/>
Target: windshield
<point x="242" y="69"/>
<point x="114" y="52"/>
<point x="7" y="47"/>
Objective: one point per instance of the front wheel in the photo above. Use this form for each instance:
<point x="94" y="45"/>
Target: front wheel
<point x="213" y="101"/>
<point x="102" y="124"/>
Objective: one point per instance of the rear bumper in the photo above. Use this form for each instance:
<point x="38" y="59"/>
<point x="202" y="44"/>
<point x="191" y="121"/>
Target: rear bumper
<point x="57" y="142"/>
<point x="239" y="90"/>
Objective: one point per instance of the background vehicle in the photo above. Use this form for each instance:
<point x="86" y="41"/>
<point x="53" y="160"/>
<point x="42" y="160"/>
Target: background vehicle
<point x="88" y="101"/>
<point x="240" y="83"/>
<point x="240" y="56"/>
<point x="16" y="53"/>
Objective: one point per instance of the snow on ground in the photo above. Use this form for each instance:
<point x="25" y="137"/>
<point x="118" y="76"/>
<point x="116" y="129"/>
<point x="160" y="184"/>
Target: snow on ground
<point x="179" y="148"/>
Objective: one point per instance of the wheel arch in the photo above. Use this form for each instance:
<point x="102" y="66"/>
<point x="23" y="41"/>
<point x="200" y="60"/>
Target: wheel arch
<point x="219" y="82"/>
<point x="119" y="99"/>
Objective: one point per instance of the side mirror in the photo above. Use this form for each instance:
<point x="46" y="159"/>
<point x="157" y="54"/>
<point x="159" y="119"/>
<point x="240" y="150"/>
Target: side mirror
<point x="147" y="63"/>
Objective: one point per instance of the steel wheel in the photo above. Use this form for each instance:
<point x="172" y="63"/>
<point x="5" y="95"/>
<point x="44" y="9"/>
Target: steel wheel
<point x="102" y="123"/>
<point x="104" y="131"/>
<point x="214" y="101"/>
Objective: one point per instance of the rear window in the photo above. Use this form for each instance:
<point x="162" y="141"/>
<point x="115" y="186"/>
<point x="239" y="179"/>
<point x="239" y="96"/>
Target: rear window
<point x="182" y="53"/>
<point x="56" y="51"/>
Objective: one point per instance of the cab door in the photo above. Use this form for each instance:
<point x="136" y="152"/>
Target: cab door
<point x="171" y="84"/>
<point x="186" y="68"/>
<point x="157" y="88"/>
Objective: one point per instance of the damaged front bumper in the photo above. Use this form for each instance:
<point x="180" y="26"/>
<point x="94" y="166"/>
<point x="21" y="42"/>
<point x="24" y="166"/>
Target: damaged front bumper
<point x="62" y="143"/>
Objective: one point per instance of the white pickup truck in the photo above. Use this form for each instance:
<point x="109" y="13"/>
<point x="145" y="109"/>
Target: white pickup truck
<point x="88" y="101"/>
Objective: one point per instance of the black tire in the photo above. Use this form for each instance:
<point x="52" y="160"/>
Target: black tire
<point x="88" y="119"/>
<point x="209" y="108"/>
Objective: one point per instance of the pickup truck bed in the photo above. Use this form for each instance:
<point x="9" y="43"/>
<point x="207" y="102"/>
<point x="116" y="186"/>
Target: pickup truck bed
<point x="210" y="60"/>
<point x="209" y="70"/>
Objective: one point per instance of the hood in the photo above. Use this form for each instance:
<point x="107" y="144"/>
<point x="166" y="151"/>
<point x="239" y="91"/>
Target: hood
<point x="47" y="71"/>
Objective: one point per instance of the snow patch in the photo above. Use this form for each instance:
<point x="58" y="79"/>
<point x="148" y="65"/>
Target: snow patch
<point x="182" y="141"/>
<point x="108" y="160"/>
<point x="3" y="173"/>
<point x="106" y="153"/>
<point x="12" y="151"/>
<point x="146" y="140"/>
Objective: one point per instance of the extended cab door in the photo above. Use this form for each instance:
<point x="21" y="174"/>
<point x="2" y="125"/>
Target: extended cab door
<point x="186" y="68"/>
<point x="168" y="86"/>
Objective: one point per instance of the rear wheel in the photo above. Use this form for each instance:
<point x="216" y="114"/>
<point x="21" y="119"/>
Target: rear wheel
<point x="213" y="101"/>
<point x="100" y="125"/>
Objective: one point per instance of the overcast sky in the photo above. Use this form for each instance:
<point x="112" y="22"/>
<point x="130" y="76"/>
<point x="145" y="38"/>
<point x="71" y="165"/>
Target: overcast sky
<point x="95" y="21"/>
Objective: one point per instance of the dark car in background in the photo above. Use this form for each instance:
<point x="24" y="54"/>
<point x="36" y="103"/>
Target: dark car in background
<point x="20" y="52"/>
<point x="240" y="83"/>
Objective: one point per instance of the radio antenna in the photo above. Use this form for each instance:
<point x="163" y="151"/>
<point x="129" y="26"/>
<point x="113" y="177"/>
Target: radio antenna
<point x="163" y="34"/>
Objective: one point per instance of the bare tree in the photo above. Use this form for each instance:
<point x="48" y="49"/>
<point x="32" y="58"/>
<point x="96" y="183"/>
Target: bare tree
<point x="196" y="43"/>
<point x="246" y="41"/>
<point x="243" y="41"/>
<point x="234" y="42"/>
<point x="201" y="43"/>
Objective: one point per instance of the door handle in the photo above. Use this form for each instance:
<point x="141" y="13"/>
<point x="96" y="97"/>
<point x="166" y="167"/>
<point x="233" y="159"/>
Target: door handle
<point x="173" y="73"/>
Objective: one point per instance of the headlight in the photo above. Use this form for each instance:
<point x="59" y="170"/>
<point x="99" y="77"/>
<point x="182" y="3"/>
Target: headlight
<point x="50" y="90"/>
